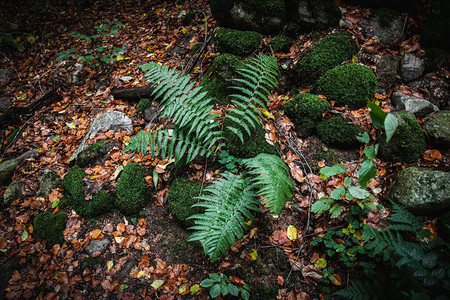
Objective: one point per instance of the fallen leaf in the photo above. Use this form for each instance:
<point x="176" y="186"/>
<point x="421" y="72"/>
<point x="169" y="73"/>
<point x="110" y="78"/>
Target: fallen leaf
<point x="280" y="280"/>
<point x="96" y="234"/>
<point x="336" y="279"/>
<point x="291" y="232"/>
<point x="432" y="153"/>
<point x="195" y="289"/>
<point x="312" y="272"/>
<point x="157" y="284"/>
<point x="109" y="265"/>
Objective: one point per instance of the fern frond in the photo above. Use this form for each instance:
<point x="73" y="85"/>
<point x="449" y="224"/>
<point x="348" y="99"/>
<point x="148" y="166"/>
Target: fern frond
<point x="228" y="201"/>
<point x="259" y="75"/>
<point x="404" y="220"/>
<point x="274" y="184"/>
<point x="361" y="291"/>
<point x="138" y="143"/>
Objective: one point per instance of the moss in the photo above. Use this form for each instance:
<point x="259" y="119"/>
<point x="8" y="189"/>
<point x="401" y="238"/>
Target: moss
<point x="132" y="190"/>
<point x="50" y="226"/>
<point x="196" y="47"/>
<point x="385" y="16"/>
<point x="181" y="198"/>
<point x="281" y="43"/>
<point x="144" y="104"/>
<point x="216" y="89"/>
<point x="237" y="42"/>
<point x="338" y="132"/>
<point x="305" y="110"/>
<point x="73" y="186"/>
<point x="95" y="153"/>
<point x="327" y="54"/>
<point x="101" y="204"/>
<point x="351" y="85"/>
<point x="251" y="147"/>
<point x="10" y="138"/>
<point x="225" y="66"/>
<point x="407" y="144"/>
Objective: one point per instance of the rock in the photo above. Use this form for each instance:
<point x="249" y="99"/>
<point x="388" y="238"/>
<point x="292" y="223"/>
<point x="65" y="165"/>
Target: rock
<point x="314" y="15"/>
<point x="387" y="70"/>
<point x="4" y="105"/>
<point x="95" y="154"/>
<point x="13" y="192"/>
<point x="422" y="190"/>
<point x="97" y="245"/>
<point x="266" y="17"/>
<point x="385" y="32"/>
<point x="5" y="77"/>
<point x="437" y="127"/>
<point x="437" y="89"/>
<point x="6" y="272"/>
<point x="417" y="106"/>
<point x="48" y="181"/>
<point x="110" y="119"/>
<point x="7" y="167"/>
<point x="412" y="67"/>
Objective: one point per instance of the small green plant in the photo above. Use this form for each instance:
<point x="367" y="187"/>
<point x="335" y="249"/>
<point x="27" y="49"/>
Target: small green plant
<point x="231" y="163"/>
<point x="219" y="284"/>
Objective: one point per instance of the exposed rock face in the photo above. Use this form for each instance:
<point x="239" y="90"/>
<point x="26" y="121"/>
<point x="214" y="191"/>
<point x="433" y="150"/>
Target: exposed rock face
<point x="417" y="106"/>
<point x="7" y="167"/>
<point x="96" y="153"/>
<point x="13" y="192"/>
<point x="412" y="67"/>
<point x="386" y="34"/>
<point x="312" y="15"/>
<point x="387" y="70"/>
<point x="422" y="190"/>
<point x="438" y="128"/>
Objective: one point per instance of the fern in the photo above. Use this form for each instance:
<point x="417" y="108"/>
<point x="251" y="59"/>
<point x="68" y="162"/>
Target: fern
<point x="259" y="75"/>
<point x="274" y="185"/>
<point x="228" y="201"/>
<point x="404" y="220"/>
<point x="360" y="291"/>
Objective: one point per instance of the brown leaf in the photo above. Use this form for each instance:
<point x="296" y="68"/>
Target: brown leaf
<point x="96" y="234"/>
<point x="336" y="279"/>
<point x="432" y="153"/>
<point x="161" y="197"/>
<point x="120" y="228"/>
<point x="303" y="296"/>
<point x="280" y="280"/>
<point x="312" y="272"/>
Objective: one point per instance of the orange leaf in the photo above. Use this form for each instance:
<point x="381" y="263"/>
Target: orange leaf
<point x="336" y="279"/>
<point x="433" y="153"/>
<point x="321" y="164"/>
<point x="120" y="228"/>
<point x="95" y="234"/>
<point x="280" y="280"/>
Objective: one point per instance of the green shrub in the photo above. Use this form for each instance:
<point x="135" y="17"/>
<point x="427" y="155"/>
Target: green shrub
<point x="251" y="147"/>
<point x="181" y="198"/>
<point x="305" y="110"/>
<point x="351" y="85"/>
<point x="132" y="190"/>
<point x="338" y="132"/>
<point x="50" y="226"/>
<point x="237" y="42"/>
<point x="281" y="43"/>
<point x="327" y="54"/>
<point x="407" y="144"/>
<point x="144" y="104"/>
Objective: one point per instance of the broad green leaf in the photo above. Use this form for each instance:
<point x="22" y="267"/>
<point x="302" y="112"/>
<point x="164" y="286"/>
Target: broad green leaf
<point x="55" y="203"/>
<point x="358" y="193"/>
<point x="377" y="115"/>
<point x="157" y="284"/>
<point x="429" y="261"/>
<point x="335" y="211"/>
<point x="123" y="287"/>
<point x="24" y="235"/>
<point x="390" y="125"/>
<point x="321" y="205"/>
<point x="347" y="181"/>
<point x="55" y="138"/>
<point x="126" y="78"/>
<point x="233" y="290"/>
<point x="368" y="171"/>
<point x="371" y="152"/>
<point x="338" y="193"/>
<point x="245" y="295"/>
<point x="109" y="265"/>
<point x="215" y="290"/>
<point x="334" y="170"/>
<point x="321" y="263"/>
<point x="207" y="282"/>
<point x="363" y="137"/>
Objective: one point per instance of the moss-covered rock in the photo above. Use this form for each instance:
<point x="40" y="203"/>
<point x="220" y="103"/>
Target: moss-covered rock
<point x="408" y="142"/>
<point x="312" y="15"/>
<point x="132" y="191"/>
<point x="144" y="104"/>
<point x="181" y="198"/>
<point x="338" y="132"/>
<point x="237" y="42"/>
<point x="50" y="226"/>
<point x="351" y="85"/>
<point x="225" y="66"/>
<point x="216" y="89"/>
<point x="95" y="154"/>
<point x="251" y="147"/>
<point x="73" y="186"/>
<point x="327" y="54"/>
<point x="305" y="110"/>
<point x="281" y="43"/>
<point x="385" y="16"/>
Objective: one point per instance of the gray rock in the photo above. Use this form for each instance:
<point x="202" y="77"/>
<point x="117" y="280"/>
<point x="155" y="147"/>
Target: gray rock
<point x="97" y="245"/>
<point x="7" y="167"/>
<point x="96" y="153"/>
<point x="387" y="70"/>
<point x="385" y="34"/>
<point x="437" y="127"/>
<point x="13" y="192"/>
<point x="412" y="67"/>
<point x="422" y="190"/>
<point x="48" y="181"/>
<point x="314" y="15"/>
<point x="5" y="76"/>
<point x="110" y="119"/>
<point x="417" y="106"/>
<point x="4" y="104"/>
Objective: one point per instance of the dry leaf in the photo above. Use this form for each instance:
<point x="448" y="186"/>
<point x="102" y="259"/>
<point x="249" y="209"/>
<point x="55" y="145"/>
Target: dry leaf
<point x="310" y="271"/>
<point x="280" y="280"/>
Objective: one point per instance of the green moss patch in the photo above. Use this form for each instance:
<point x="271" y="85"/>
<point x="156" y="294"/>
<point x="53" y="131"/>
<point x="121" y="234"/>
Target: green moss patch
<point x="338" y="132"/>
<point x="132" y="191"/>
<point x="144" y="104"/>
<point x="408" y="142"/>
<point x="181" y="198"/>
<point x="95" y="153"/>
<point x="281" y="43"/>
<point x="216" y="89"/>
<point x="237" y="42"/>
<point x="329" y="53"/>
<point x="351" y="85"/>
<point x="50" y="226"/>
<point x="225" y="66"/>
<point x="305" y="110"/>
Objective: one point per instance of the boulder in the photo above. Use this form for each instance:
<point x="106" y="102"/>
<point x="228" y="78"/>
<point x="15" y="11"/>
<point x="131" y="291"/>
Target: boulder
<point x="422" y="190"/>
<point x="417" y="106"/>
<point x="310" y="15"/>
<point x="387" y="70"/>
<point x="13" y="192"/>
<point x="7" y="167"/>
<point x="97" y="246"/>
<point x="412" y="67"/>
<point x="48" y="181"/>
<point x="95" y="154"/>
<point x="437" y="127"/>
<point x="385" y="25"/>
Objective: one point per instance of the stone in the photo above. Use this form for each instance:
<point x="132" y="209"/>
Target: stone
<point x="417" y="106"/>
<point x="412" y="67"/>
<point x="387" y="70"/>
<point x="5" y="77"/>
<point x="314" y="15"/>
<point x="13" y="192"/>
<point x="48" y="181"/>
<point x="4" y="105"/>
<point x="95" y="154"/>
<point x="97" y="245"/>
<point x="385" y="34"/>
<point x="437" y="127"/>
<point x="422" y="190"/>
<point x="7" y="167"/>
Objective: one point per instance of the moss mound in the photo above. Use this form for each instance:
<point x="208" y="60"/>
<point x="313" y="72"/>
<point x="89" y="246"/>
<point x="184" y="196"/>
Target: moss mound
<point x="181" y="198"/>
<point x="73" y="186"/>
<point x="94" y="154"/>
<point x="50" y="226"/>
<point x="237" y="42"/>
<point x="351" y="85"/>
<point x="305" y="111"/>
<point x="132" y="190"/>
<point x="338" y="132"/>
<point x="281" y="43"/>
<point x="225" y="66"/>
<point x="408" y="142"/>
<point x="144" y="104"/>
<point x="329" y="53"/>
<point x="216" y="89"/>
<point x="251" y="147"/>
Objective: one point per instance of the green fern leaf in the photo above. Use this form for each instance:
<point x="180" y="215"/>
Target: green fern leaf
<point x="274" y="185"/>
<point x="138" y="143"/>
<point x="228" y="201"/>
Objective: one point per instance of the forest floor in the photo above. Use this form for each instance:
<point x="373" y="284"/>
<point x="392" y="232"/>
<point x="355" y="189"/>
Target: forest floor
<point x="153" y="247"/>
